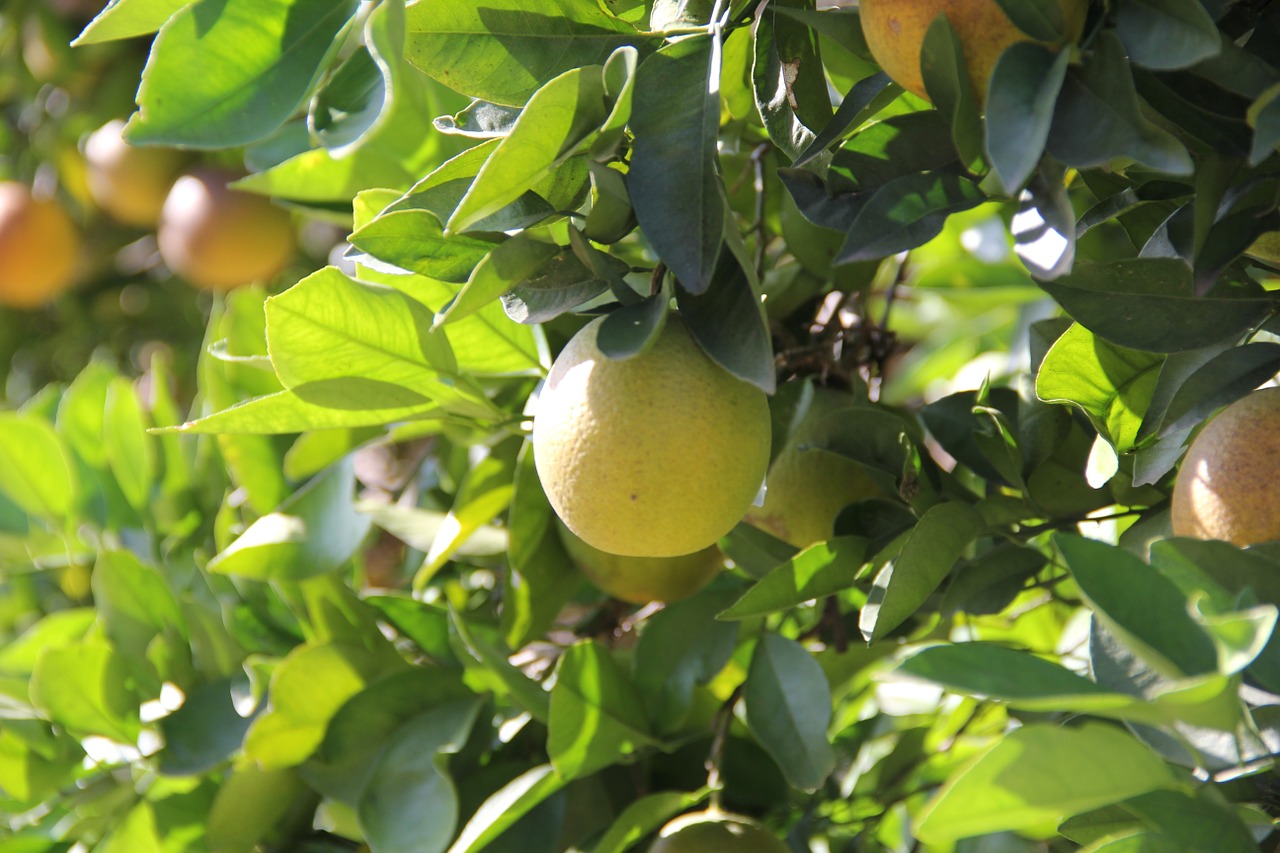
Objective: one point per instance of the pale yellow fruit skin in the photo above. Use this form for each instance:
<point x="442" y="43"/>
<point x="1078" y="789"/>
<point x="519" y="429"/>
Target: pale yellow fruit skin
<point x="806" y="488"/>
<point x="219" y="239"/>
<point x="128" y="182"/>
<point x="640" y="580"/>
<point x="657" y="455"/>
<point x="1228" y="486"/>
<point x="895" y="31"/>
<point x="715" y="831"/>
<point x="39" y="248"/>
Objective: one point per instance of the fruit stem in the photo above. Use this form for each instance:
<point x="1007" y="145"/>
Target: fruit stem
<point x="720" y="728"/>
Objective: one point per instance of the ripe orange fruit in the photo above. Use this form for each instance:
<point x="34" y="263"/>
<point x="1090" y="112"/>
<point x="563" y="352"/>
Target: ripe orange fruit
<point x="129" y="183"/>
<point x="1226" y="485"/>
<point x="39" y="247"/>
<point x="218" y="238"/>
<point x="895" y="31"/>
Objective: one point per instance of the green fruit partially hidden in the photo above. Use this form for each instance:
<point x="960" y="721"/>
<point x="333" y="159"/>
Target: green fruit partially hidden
<point x="641" y="580"/>
<point x="1227" y="486"/>
<point x="657" y="455"/>
<point x="807" y="487"/>
<point x="716" y="831"/>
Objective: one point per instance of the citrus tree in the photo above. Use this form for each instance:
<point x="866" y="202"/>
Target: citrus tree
<point x="960" y="281"/>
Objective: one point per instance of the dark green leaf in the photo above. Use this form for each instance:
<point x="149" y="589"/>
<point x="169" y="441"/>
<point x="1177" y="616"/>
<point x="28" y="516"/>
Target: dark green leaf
<point x="502" y="810"/>
<point x="205" y="732"/>
<point x="1150" y="304"/>
<point x="1166" y="34"/>
<point x="511" y="262"/>
<point x="787" y="80"/>
<point x="674" y="184"/>
<point x="1099" y="117"/>
<point x="1139" y="605"/>
<point x="628" y="330"/>
<point x="905" y="213"/>
<point x="1024" y="88"/>
<point x="946" y="78"/>
<point x="729" y="323"/>
<point x="820" y="570"/>
<point x="926" y="556"/>
<point x="1041" y="19"/>
<point x="1223" y="379"/>
<point x="788" y="705"/>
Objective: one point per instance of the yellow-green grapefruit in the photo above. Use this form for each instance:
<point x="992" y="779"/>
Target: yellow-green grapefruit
<point x="39" y="247"/>
<point x="716" y="831"/>
<point x="895" y="31"/>
<point x="1228" y="486"/>
<point x="641" y="580"/>
<point x="808" y="487"/>
<point x="217" y="238"/>
<point x="657" y="455"/>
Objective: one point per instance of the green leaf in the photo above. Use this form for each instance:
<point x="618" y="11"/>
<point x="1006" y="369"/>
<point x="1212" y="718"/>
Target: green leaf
<point x="1043" y="20"/>
<point x="345" y="345"/>
<point x="1166" y="34"/>
<point x="561" y="285"/>
<point x="505" y="50"/>
<point x="204" y="733"/>
<point x="644" y="816"/>
<point x="729" y="323"/>
<point x="122" y="19"/>
<point x="82" y="413"/>
<point x="130" y="451"/>
<point x="510" y="263"/>
<point x="628" y="330"/>
<point x="1037" y="775"/>
<point x="927" y="554"/>
<point x="229" y="72"/>
<point x="135" y="604"/>
<point x="597" y="717"/>
<point x="314" y="532"/>
<point x="414" y="240"/>
<point x="541" y="578"/>
<point x="86" y="688"/>
<point x="36" y="470"/>
<point x="557" y="120"/>
<point x="485" y="491"/>
<point x="788" y="707"/>
<point x="528" y="693"/>
<point x="1150" y="304"/>
<point x="1024" y="681"/>
<point x="787" y="81"/>
<point x="286" y="412"/>
<point x="410" y="802"/>
<point x="1111" y="384"/>
<point x="1223" y="379"/>
<point x="818" y="571"/>
<point x="674" y="184"/>
<point x="1140" y="606"/>
<point x="1098" y="116"/>
<point x="307" y="689"/>
<point x="1024" y="87"/>
<point x="905" y="213"/>
<point x="946" y="79"/>
<point x="682" y="646"/>
<point x="504" y="808"/>
<point x="257" y="807"/>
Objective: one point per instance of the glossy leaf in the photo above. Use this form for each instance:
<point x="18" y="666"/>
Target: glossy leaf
<point x="597" y="717"/>
<point x="1166" y="34"/>
<point x="230" y="72"/>
<point x="1111" y="384"/>
<point x="513" y="801"/>
<point x="674" y="185"/>
<point x="1024" y="87"/>
<point x="314" y="532"/>
<point x="728" y="322"/>
<point x="788" y="705"/>
<point x="504" y="50"/>
<point x="819" y="570"/>
<point x="1040" y="774"/>
<point x="122" y="19"/>
<point x="926" y="556"/>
